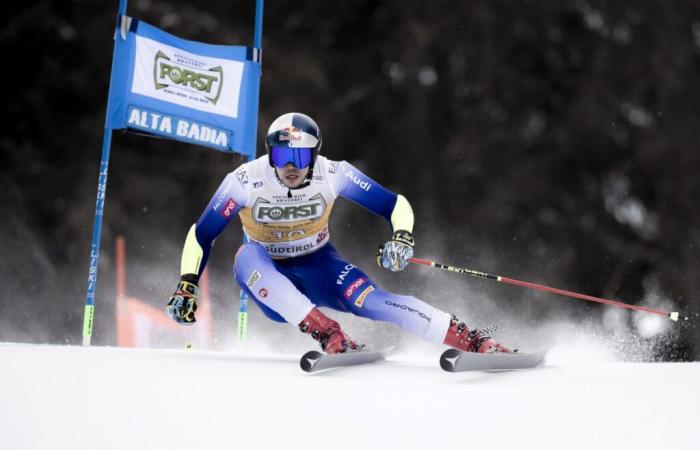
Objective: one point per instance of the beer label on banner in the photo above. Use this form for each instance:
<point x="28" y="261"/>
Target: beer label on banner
<point x="204" y="83"/>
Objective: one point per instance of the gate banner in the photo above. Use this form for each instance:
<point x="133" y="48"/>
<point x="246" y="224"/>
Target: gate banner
<point x="188" y="91"/>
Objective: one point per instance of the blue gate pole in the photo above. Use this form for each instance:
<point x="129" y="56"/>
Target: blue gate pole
<point x="243" y="298"/>
<point x="99" y="213"/>
<point x="257" y="38"/>
<point x="96" y="233"/>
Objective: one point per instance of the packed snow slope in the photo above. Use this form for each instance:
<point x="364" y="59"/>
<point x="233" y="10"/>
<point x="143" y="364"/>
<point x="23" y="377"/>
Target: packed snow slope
<point x="60" y="397"/>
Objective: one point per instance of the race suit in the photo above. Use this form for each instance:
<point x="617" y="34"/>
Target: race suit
<point x="289" y="266"/>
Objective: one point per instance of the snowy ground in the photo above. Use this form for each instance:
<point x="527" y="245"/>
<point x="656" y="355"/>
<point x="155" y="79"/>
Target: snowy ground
<point x="59" y="397"/>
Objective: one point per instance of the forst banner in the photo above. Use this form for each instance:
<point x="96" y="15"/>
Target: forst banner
<point x="189" y="91"/>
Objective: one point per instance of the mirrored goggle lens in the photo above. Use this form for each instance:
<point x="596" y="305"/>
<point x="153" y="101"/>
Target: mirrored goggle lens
<point x="298" y="157"/>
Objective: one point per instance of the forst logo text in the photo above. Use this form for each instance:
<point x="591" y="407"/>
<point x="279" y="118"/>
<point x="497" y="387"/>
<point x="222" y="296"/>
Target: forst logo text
<point x="287" y="212"/>
<point x="168" y="73"/>
<point x="264" y="211"/>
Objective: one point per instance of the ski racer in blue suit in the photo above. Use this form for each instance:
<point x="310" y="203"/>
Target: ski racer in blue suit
<point x="289" y="267"/>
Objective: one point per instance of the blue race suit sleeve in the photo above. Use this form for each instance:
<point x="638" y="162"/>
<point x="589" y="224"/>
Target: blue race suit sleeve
<point x="352" y="184"/>
<point x="228" y="199"/>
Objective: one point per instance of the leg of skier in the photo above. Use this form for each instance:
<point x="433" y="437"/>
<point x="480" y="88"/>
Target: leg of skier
<point x="363" y="298"/>
<point x="281" y="301"/>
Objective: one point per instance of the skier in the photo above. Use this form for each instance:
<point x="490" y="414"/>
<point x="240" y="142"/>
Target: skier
<point x="289" y="267"/>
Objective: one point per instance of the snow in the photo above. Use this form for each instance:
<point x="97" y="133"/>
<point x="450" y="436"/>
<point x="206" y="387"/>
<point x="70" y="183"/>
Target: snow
<point x="68" y="397"/>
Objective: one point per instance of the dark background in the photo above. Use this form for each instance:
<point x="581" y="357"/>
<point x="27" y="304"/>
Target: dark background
<point x="549" y="141"/>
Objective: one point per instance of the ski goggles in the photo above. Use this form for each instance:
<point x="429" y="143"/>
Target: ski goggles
<point x="298" y="157"/>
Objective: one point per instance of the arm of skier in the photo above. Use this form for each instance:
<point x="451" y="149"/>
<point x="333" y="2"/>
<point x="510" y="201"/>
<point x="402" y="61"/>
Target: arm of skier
<point x="351" y="183"/>
<point x="228" y="199"/>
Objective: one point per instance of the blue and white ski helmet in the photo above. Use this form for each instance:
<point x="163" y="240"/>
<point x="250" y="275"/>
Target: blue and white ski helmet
<point x="294" y="130"/>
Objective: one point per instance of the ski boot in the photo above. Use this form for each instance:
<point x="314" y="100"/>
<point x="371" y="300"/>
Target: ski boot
<point x="327" y="332"/>
<point x="478" y="341"/>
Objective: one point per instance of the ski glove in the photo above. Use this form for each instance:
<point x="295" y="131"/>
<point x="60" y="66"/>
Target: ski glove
<point x="394" y="255"/>
<point x="183" y="303"/>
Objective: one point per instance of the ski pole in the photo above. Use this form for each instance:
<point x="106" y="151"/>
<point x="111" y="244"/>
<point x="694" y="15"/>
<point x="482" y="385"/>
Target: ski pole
<point x="671" y="315"/>
<point x="188" y="344"/>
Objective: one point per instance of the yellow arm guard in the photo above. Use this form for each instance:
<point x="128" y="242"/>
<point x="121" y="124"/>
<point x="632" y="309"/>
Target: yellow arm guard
<point x="192" y="254"/>
<point x="402" y="215"/>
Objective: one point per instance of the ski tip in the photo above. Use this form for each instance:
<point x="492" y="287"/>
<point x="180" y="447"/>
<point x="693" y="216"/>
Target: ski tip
<point x="308" y="361"/>
<point x="673" y="316"/>
<point x="448" y="358"/>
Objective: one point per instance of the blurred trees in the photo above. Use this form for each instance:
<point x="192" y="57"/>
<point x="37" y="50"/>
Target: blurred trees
<point x="557" y="140"/>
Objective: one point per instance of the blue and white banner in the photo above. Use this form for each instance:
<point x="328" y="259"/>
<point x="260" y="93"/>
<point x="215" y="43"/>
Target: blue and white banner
<point x="184" y="90"/>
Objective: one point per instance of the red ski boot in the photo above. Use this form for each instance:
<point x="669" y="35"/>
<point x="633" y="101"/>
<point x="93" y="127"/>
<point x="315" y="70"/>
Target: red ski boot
<point x="327" y="332"/>
<point x="461" y="338"/>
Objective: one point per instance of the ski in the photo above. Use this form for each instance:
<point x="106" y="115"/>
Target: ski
<point x="314" y="361"/>
<point x="456" y="361"/>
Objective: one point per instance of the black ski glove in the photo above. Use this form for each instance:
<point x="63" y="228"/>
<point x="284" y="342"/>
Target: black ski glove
<point x="183" y="303"/>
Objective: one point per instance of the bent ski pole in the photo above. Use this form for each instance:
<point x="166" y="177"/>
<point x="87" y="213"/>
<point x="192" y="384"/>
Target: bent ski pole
<point x="671" y="315"/>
